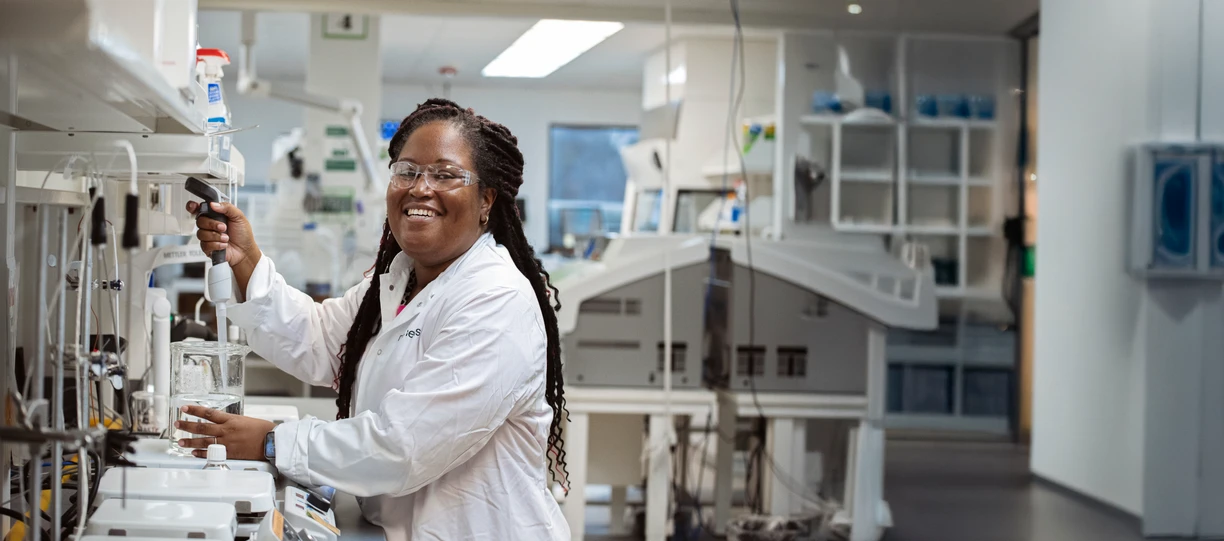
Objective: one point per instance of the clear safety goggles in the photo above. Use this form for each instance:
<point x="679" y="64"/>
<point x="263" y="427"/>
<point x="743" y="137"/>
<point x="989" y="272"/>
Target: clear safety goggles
<point x="438" y="177"/>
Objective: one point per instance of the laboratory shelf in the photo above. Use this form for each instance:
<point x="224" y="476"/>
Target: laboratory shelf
<point x="934" y="179"/>
<point x="883" y="176"/>
<point x="953" y="123"/>
<point x="845" y="120"/>
<point x="163" y="158"/>
<point x="28" y="195"/>
<point x="975" y="293"/>
<point x="934" y="230"/>
<point x="76" y="74"/>
<point x="865" y="227"/>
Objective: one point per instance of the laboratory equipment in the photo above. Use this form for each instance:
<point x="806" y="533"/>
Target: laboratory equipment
<point x="311" y="512"/>
<point x="276" y="414"/>
<point x="251" y="494"/>
<point x="220" y="276"/>
<point x="208" y="374"/>
<point x="136" y="518"/>
<point x="157" y="453"/>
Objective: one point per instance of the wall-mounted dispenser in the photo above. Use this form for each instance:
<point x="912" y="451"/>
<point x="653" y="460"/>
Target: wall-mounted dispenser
<point x="1178" y="211"/>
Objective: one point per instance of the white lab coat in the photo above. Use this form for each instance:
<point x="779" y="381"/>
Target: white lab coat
<point x="449" y="426"/>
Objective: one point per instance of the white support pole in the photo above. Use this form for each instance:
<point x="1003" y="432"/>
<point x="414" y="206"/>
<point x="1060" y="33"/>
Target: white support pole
<point x="724" y="460"/>
<point x="577" y="438"/>
<point x="867" y="472"/>
<point x="618" y="504"/>
<point x="835" y="178"/>
<point x="658" y="478"/>
<point x="7" y="238"/>
<point x="776" y="473"/>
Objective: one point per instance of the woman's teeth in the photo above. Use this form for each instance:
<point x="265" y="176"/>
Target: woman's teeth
<point x="420" y="212"/>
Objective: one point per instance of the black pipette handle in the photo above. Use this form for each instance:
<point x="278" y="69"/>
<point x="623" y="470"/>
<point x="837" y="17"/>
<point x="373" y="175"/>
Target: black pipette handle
<point x="97" y="227"/>
<point x="209" y="194"/>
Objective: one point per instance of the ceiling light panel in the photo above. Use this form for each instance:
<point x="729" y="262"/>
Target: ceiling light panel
<point x="547" y="46"/>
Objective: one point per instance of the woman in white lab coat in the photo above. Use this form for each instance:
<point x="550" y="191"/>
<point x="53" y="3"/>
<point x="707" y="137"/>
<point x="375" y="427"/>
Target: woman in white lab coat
<point x="446" y="358"/>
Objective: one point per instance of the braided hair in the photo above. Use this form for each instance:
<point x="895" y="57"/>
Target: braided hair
<point x="499" y="165"/>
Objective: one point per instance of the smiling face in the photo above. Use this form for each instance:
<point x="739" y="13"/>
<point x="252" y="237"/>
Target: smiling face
<point x="435" y="228"/>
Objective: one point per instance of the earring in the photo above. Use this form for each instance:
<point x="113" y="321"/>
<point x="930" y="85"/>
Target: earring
<point x="484" y="220"/>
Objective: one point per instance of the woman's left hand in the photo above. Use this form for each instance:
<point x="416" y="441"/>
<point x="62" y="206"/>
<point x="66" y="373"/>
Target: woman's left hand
<point x="243" y="437"/>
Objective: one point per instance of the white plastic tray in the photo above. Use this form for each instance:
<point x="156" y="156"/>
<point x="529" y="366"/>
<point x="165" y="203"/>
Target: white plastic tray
<point x="177" y="520"/>
<point x="249" y="492"/>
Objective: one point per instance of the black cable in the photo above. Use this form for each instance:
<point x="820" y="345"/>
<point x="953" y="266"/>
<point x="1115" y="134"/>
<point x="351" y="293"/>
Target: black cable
<point x="13" y="514"/>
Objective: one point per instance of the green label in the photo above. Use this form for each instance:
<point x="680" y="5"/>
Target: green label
<point x="337" y="131"/>
<point x="340" y="153"/>
<point x="340" y="165"/>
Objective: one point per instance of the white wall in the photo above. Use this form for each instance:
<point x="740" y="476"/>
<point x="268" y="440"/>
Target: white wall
<point x="1088" y="392"/>
<point x="275" y="118"/>
<point x="528" y="114"/>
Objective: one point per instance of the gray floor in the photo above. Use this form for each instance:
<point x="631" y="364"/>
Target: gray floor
<point x="967" y="491"/>
<point x="971" y="491"/>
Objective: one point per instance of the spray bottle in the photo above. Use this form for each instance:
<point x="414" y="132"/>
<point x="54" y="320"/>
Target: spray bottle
<point x="220" y="277"/>
<point x="209" y="70"/>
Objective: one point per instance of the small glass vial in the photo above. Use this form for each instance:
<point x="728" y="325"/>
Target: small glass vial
<point x="216" y="458"/>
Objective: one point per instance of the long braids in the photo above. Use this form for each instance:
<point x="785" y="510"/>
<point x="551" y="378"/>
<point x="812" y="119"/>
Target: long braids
<point x="366" y="324"/>
<point x="499" y="165"/>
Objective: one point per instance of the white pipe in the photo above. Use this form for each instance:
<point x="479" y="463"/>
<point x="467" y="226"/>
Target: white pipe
<point x="160" y="359"/>
<point x="131" y="152"/>
<point x="199" y="303"/>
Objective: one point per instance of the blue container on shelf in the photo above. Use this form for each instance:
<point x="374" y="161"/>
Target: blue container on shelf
<point x="879" y="99"/>
<point x="953" y="105"/>
<point x="824" y="101"/>
<point x="926" y="106"/>
<point x="982" y="107"/>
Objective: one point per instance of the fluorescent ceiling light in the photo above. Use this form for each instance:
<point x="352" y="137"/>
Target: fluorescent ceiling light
<point x="854" y="9"/>
<point x="547" y="46"/>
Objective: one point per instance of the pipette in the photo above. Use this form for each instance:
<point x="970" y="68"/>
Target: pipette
<point x="220" y="276"/>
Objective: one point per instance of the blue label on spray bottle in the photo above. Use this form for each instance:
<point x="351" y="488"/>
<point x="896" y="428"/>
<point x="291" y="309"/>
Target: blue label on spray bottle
<point x="214" y="93"/>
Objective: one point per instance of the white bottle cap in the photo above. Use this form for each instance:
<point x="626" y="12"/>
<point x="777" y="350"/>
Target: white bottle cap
<point x="216" y="453"/>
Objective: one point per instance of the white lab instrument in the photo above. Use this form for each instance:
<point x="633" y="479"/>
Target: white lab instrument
<point x="206" y="374"/>
<point x="157" y="453"/>
<point x="303" y="512"/>
<point x="276" y="414"/>
<point x="135" y="518"/>
<point x="252" y="494"/>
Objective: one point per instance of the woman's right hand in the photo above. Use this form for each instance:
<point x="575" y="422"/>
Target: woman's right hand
<point x="236" y="238"/>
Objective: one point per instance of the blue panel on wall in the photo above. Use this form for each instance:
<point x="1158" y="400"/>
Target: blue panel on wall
<point x="1174" y="199"/>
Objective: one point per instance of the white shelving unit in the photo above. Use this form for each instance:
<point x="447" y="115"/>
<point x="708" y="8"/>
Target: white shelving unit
<point x="942" y="181"/>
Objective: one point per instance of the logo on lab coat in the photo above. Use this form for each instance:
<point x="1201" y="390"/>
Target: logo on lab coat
<point x="412" y="333"/>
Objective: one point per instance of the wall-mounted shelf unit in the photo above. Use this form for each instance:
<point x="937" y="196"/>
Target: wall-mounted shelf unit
<point x="76" y="73"/>
<point x="163" y="158"/>
<point x="940" y="178"/>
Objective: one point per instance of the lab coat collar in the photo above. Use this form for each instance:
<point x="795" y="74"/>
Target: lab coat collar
<point x="396" y="278"/>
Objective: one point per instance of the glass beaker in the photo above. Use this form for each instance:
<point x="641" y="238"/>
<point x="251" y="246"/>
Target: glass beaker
<point x="202" y="374"/>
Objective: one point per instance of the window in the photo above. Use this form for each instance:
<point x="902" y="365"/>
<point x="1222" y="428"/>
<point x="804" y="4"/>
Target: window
<point x="677" y="354"/>
<point x="586" y="188"/>
<point x="750" y="360"/>
<point x="792" y="362"/>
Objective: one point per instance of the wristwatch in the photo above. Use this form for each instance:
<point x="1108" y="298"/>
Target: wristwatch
<point x="270" y="446"/>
